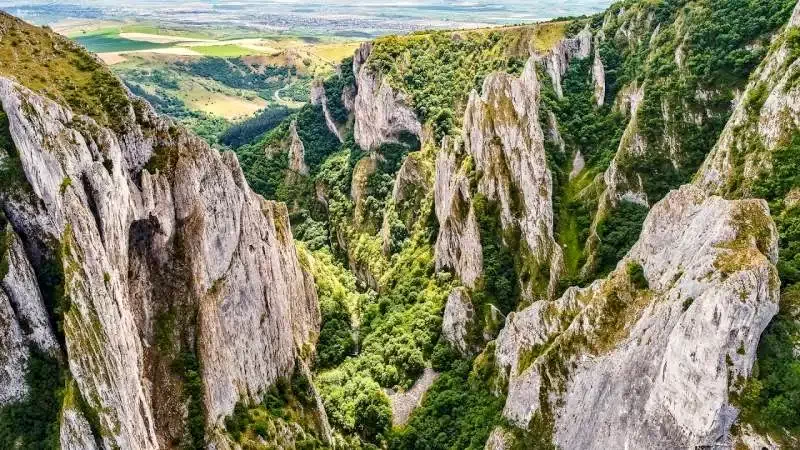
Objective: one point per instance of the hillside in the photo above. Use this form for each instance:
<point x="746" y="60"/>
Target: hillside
<point x="579" y="234"/>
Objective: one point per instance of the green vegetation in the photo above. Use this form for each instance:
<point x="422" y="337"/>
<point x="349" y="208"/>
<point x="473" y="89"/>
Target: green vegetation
<point x="288" y="401"/>
<point x="715" y="41"/>
<point x="335" y="85"/>
<point x="636" y="275"/>
<point x="111" y="41"/>
<point x="618" y="233"/>
<point x="441" y="70"/>
<point x="318" y="140"/>
<point x="60" y="69"/>
<point x="399" y="328"/>
<point x="770" y="399"/>
<point x="499" y="285"/>
<point x="225" y="50"/>
<point x="585" y="127"/>
<point x="338" y="301"/>
<point x="11" y="172"/>
<point x="238" y="74"/>
<point x="33" y="422"/>
<point x="194" y="433"/>
<point x="251" y="129"/>
<point x="458" y="412"/>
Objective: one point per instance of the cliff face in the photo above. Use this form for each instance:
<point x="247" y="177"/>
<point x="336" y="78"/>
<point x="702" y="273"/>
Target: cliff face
<point x="381" y="113"/>
<point x="162" y="251"/>
<point x="651" y="353"/>
<point x="503" y="142"/>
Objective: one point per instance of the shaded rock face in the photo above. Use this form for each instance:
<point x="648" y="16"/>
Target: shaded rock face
<point x="556" y="62"/>
<point x="412" y="185"/>
<point x="382" y="114"/>
<point x="24" y="321"/>
<point x="404" y="403"/>
<point x="504" y="139"/>
<point x="75" y="432"/>
<point x="650" y="354"/>
<point x="188" y="241"/>
<point x="599" y="78"/>
<point x="318" y="97"/>
<point x="458" y="243"/>
<point x="458" y="318"/>
<point x="297" y="151"/>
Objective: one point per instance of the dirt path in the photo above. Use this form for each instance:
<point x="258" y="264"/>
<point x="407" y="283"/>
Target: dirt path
<point x="403" y="403"/>
<point x="287" y="103"/>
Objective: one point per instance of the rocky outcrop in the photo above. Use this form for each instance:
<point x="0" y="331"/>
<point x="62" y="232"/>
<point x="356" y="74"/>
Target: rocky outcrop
<point x="578" y="164"/>
<point x="467" y="328"/>
<point x="382" y="114"/>
<point x="155" y="233"/>
<point x="499" y="439"/>
<point x="458" y="243"/>
<point x="404" y="403"/>
<point x="318" y="97"/>
<point x="75" y="432"/>
<point x="599" y="78"/>
<point x="297" y="151"/>
<point x="23" y="318"/>
<point x="554" y="133"/>
<point x="651" y="354"/>
<point x="412" y="186"/>
<point x="556" y="61"/>
<point x="458" y="319"/>
<point x="504" y="139"/>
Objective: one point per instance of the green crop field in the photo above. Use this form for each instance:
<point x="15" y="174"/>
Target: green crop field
<point x="112" y="42"/>
<point x="224" y="51"/>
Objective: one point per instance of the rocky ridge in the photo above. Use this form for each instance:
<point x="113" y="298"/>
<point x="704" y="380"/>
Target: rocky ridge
<point x="139" y="217"/>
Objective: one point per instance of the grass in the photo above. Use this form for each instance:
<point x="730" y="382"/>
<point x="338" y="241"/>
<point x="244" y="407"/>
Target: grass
<point x="112" y="42"/>
<point x="547" y="35"/>
<point x="199" y="98"/>
<point x="60" y="69"/>
<point x="334" y="52"/>
<point x="224" y="51"/>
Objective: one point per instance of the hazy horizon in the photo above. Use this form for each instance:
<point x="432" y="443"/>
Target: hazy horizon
<point x="367" y="17"/>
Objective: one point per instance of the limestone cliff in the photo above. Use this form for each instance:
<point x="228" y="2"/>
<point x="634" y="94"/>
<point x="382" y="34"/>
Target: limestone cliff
<point x="381" y="113"/>
<point x="504" y="143"/>
<point x="766" y="118"/>
<point x="651" y="354"/>
<point x="318" y="97"/>
<point x="162" y="251"/>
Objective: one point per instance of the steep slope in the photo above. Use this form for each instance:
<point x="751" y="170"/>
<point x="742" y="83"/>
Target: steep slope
<point x="154" y="259"/>
<point x="526" y="181"/>
<point x="656" y="348"/>
<point x="757" y="156"/>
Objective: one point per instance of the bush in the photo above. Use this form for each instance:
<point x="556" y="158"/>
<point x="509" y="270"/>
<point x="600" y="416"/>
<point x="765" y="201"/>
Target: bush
<point x="636" y="275"/>
<point x="617" y="234"/>
<point x="33" y="423"/>
<point x="241" y="133"/>
<point x="457" y="412"/>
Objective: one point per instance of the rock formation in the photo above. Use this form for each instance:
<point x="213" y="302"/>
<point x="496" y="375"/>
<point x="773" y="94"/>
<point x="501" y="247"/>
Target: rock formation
<point x="318" y="97"/>
<point x="651" y="354"/>
<point x="154" y="233"/>
<point x="504" y="139"/>
<point x="381" y="113"/>
<point x="458" y="244"/>
<point x="297" y="151"/>
<point x="765" y="118"/>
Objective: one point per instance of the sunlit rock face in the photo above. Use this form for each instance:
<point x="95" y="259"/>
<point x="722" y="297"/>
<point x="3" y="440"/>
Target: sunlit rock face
<point x="650" y="354"/>
<point x="141" y="220"/>
<point x="381" y="113"/>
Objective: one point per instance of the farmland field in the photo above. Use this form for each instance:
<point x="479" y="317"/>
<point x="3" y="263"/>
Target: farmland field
<point x="113" y="42"/>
